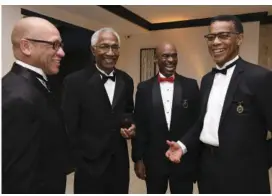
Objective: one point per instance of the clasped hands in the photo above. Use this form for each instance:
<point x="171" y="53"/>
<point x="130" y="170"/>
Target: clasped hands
<point x="128" y="133"/>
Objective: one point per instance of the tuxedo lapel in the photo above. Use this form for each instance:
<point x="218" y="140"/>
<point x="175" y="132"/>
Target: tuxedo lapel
<point x="30" y="77"/>
<point x="157" y="101"/>
<point x="97" y="87"/>
<point x="119" y="87"/>
<point x="231" y="89"/>
<point x="206" y="93"/>
<point x="177" y="99"/>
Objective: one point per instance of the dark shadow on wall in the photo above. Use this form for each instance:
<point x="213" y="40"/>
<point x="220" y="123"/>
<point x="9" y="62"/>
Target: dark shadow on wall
<point x="76" y="47"/>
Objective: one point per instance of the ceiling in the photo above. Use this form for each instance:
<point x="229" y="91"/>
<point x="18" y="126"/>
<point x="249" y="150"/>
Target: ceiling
<point x="155" y="14"/>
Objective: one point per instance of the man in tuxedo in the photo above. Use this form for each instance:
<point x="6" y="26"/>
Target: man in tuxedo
<point x="34" y="140"/>
<point x="235" y="118"/>
<point x="98" y="106"/>
<point x="166" y="107"/>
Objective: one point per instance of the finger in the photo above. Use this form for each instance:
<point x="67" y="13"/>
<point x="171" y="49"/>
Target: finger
<point x="132" y="127"/>
<point x="167" y="154"/>
<point x="124" y="134"/>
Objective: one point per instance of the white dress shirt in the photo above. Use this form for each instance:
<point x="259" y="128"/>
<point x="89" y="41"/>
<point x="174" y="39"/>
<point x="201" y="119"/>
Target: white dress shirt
<point x="167" y="91"/>
<point x="109" y="84"/>
<point x="209" y="133"/>
<point x="35" y="69"/>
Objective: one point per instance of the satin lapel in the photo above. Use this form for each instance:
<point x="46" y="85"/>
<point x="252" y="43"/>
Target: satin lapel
<point x="30" y="77"/>
<point x="157" y="102"/>
<point x="231" y="89"/>
<point x="177" y="99"/>
<point x="206" y="93"/>
<point x="119" y="88"/>
<point x="97" y="88"/>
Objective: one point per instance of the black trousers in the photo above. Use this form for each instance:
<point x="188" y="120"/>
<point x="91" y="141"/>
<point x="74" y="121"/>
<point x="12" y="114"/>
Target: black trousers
<point x="157" y="184"/>
<point x="114" y="180"/>
<point x="53" y="185"/>
<point x="209" y="181"/>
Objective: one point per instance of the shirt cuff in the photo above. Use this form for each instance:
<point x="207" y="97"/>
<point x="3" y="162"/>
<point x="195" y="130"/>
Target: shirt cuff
<point x="183" y="147"/>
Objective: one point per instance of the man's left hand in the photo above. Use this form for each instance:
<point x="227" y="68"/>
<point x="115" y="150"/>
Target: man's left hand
<point x="128" y="133"/>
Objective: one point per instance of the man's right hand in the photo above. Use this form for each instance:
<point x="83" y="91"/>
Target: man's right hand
<point x="174" y="152"/>
<point x="139" y="169"/>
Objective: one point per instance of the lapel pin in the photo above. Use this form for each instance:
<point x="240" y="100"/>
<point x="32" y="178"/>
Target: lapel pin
<point x="240" y="108"/>
<point x="185" y="103"/>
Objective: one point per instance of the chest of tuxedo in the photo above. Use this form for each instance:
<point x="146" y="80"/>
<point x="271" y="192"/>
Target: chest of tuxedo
<point x="240" y="117"/>
<point x="183" y="111"/>
<point x="95" y="107"/>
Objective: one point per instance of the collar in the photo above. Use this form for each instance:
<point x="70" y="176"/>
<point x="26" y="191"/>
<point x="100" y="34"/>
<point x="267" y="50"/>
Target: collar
<point x="162" y="76"/>
<point x="103" y="72"/>
<point x="32" y="68"/>
<point x="227" y="63"/>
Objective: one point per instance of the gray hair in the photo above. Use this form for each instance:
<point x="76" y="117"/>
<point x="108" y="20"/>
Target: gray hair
<point x="96" y="34"/>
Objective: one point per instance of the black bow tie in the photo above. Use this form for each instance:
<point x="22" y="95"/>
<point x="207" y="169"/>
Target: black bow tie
<point x="223" y="71"/>
<point x="105" y="77"/>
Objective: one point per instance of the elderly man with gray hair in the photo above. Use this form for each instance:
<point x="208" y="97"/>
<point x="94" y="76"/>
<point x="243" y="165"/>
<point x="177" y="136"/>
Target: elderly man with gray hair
<point x="98" y="107"/>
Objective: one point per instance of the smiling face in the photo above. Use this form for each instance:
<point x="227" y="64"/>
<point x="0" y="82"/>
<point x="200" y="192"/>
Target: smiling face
<point x="106" y="51"/>
<point x="167" y="59"/>
<point x="225" y="46"/>
<point x="46" y="56"/>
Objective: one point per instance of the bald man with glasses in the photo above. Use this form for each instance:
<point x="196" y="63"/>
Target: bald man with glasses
<point x="35" y="148"/>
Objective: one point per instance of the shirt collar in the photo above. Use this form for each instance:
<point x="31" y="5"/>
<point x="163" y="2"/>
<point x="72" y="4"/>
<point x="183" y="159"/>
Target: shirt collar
<point x="103" y="72"/>
<point x="162" y="76"/>
<point x="32" y="68"/>
<point x="228" y="63"/>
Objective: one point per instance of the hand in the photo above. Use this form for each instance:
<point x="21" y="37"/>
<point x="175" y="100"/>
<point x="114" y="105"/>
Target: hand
<point x="174" y="152"/>
<point x="139" y="169"/>
<point x="128" y="133"/>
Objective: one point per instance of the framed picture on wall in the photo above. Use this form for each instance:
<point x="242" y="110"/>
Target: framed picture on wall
<point x="147" y="63"/>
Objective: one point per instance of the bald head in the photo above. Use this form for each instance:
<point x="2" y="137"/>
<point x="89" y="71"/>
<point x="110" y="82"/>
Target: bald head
<point x="37" y="42"/>
<point x="164" y="46"/>
<point x="167" y="58"/>
<point x="31" y="27"/>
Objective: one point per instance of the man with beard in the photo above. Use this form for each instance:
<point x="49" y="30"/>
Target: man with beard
<point x="235" y="118"/>
<point x="166" y="107"/>
<point x="98" y="107"/>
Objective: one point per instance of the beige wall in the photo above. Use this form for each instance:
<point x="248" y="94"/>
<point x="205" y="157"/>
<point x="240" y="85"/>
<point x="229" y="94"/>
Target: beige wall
<point x="265" y="44"/>
<point x="194" y="59"/>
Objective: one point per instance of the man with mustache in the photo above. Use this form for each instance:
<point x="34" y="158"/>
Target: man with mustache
<point x="98" y="106"/>
<point x="34" y="141"/>
<point x="235" y="118"/>
<point x="166" y="107"/>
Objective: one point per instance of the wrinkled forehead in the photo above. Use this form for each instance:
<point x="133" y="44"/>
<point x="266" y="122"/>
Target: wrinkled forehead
<point x="222" y="26"/>
<point x="107" y="38"/>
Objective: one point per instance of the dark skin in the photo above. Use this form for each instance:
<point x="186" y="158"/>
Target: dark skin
<point x="106" y="59"/>
<point x="224" y="50"/>
<point x="167" y="59"/>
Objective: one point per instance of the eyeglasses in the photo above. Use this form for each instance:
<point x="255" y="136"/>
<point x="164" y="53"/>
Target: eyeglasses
<point x="106" y="48"/>
<point x="223" y="36"/>
<point x="55" y="44"/>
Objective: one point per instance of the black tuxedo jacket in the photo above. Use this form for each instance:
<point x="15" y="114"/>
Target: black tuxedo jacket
<point x="244" y="152"/>
<point x="152" y="131"/>
<point x="93" y="123"/>
<point x="35" y="145"/>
